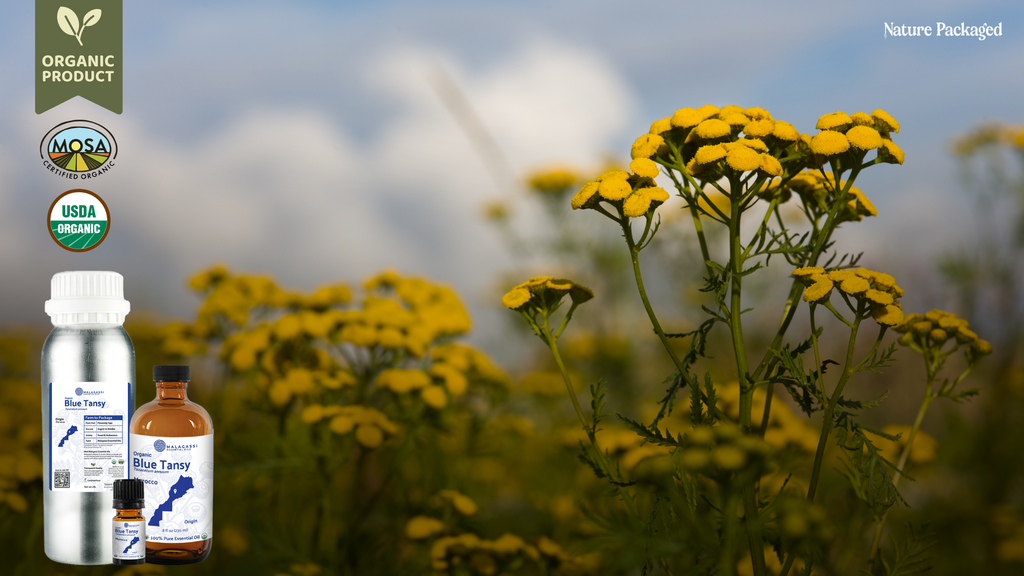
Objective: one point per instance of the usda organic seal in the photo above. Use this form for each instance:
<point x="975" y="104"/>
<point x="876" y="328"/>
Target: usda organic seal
<point x="78" y="220"/>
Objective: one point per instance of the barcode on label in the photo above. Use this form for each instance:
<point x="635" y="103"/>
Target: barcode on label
<point x="62" y="478"/>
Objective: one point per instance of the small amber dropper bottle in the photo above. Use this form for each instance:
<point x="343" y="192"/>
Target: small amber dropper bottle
<point x="129" y="523"/>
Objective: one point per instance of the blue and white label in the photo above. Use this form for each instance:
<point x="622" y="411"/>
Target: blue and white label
<point x="178" y="474"/>
<point x="88" y="435"/>
<point x="129" y="539"/>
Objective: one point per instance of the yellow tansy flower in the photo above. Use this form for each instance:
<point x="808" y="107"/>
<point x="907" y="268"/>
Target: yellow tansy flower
<point x="707" y="111"/>
<point x="686" y="118"/>
<point x="369" y="436"/>
<point x="833" y="120"/>
<point x="434" y="396"/>
<point x="758" y="113"/>
<point x="891" y="153"/>
<point x="663" y="125"/>
<point x="712" y="128"/>
<point x="644" y="167"/>
<point x="879" y="297"/>
<point x="584" y="195"/>
<point x="808" y="271"/>
<point x="734" y="118"/>
<point x="885" y="122"/>
<point x="655" y="193"/>
<point x="743" y="159"/>
<point x="516" y="298"/>
<point x="785" y="131"/>
<point x="862" y="119"/>
<point x="421" y="527"/>
<point x="636" y="205"/>
<point x="820" y="290"/>
<point x="770" y="165"/>
<point x="890" y="315"/>
<point x="646" y="146"/>
<point x="709" y="154"/>
<point x="753" y="144"/>
<point x="759" y="128"/>
<point x="864" y="137"/>
<point x="829" y="143"/>
<point x="614" y="189"/>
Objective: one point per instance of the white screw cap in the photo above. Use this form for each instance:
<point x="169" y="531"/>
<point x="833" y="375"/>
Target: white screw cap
<point x="87" y="297"/>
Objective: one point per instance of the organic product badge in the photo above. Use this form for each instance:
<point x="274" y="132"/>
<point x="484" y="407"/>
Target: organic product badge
<point x="78" y="220"/>
<point x="78" y="53"/>
<point x="78" y="149"/>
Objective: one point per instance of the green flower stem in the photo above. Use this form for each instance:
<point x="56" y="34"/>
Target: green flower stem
<point x="826" y="425"/>
<point x="821" y="239"/>
<point x="932" y="365"/>
<point x="904" y="455"/>
<point x="634" y="254"/>
<point x="552" y="343"/>
<point x="750" y="508"/>
<point x="727" y="559"/>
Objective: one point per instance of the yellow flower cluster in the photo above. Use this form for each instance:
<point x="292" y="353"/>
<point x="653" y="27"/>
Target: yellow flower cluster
<point x="723" y="448"/>
<point x="460" y="502"/>
<point x="554" y="180"/>
<point x="303" y="382"/>
<point x="989" y="135"/>
<point x="743" y="155"/>
<point x="544" y="292"/>
<point x="878" y="289"/>
<point x="936" y="327"/>
<point x="709" y="140"/>
<point x="634" y="193"/>
<point x="20" y="434"/>
<point x="785" y="429"/>
<point x="468" y="360"/>
<point x="817" y="191"/>
<point x="482" y="556"/>
<point x="841" y="132"/>
<point x="178" y="339"/>
<point x="233" y="297"/>
<point x="370" y="424"/>
<point x="422" y="527"/>
<point x="625" y="444"/>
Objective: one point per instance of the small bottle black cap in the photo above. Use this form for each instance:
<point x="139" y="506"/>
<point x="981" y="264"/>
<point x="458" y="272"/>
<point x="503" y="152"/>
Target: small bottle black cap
<point x="171" y="374"/>
<point x="129" y="493"/>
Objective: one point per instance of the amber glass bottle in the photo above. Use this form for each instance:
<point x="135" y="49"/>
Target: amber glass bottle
<point x="172" y="453"/>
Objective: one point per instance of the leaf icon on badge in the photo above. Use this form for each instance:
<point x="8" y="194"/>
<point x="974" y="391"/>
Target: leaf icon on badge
<point x="69" y="24"/>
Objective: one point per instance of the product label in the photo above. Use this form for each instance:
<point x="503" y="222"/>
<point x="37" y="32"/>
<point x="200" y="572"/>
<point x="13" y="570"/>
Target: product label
<point x="129" y="539"/>
<point x="88" y="435"/>
<point x="178" y="473"/>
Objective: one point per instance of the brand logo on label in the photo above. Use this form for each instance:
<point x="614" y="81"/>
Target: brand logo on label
<point x="78" y="221"/>
<point x="78" y="149"/>
<point x="78" y="391"/>
<point x="159" y="445"/>
<point x="125" y="524"/>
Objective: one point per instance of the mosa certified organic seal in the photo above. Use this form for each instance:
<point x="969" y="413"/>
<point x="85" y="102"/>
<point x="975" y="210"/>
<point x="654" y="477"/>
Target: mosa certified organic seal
<point x="78" y="149"/>
<point x="78" y="220"/>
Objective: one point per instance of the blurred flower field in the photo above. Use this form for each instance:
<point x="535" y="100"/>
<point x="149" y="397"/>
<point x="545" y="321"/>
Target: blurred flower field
<point x="357" y="432"/>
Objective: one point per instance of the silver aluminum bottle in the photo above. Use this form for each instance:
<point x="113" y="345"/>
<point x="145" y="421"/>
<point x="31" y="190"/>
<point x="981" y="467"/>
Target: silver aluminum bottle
<point x="92" y="347"/>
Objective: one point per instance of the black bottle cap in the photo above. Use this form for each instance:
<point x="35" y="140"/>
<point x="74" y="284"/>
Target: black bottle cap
<point x="129" y="494"/>
<point x="171" y="374"/>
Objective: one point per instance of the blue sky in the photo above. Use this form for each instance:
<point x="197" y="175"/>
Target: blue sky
<point x="304" y="139"/>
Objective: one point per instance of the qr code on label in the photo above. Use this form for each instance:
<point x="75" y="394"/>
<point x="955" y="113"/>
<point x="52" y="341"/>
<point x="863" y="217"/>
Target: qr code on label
<point x="62" y="478"/>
